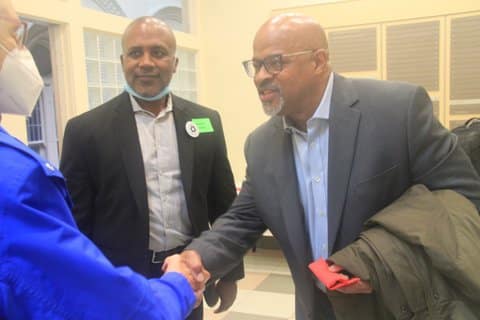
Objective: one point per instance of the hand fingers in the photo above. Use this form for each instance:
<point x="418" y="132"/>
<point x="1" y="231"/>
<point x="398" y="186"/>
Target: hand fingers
<point x="178" y="263"/>
<point x="227" y="290"/>
<point x="196" y="284"/>
<point x="211" y="296"/>
<point x="206" y="275"/>
<point x="198" y="298"/>
<point x="165" y="265"/>
<point x="361" y="287"/>
<point x="193" y="260"/>
<point x="335" y="268"/>
<point x="172" y="263"/>
<point x="223" y="306"/>
<point x="338" y="270"/>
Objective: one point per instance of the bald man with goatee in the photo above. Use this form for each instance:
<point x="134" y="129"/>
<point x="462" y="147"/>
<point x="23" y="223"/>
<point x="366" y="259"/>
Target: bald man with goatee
<point x="334" y="152"/>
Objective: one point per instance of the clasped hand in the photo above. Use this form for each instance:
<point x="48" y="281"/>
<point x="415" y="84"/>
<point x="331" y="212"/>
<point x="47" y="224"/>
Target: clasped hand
<point x="196" y="274"/>
<point x="221" y="290"/>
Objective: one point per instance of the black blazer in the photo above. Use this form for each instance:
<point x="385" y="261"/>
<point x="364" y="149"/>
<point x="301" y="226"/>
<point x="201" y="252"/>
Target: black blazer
<point x="102" y="162"/>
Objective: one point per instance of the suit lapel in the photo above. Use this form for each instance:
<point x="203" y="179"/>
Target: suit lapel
<point x="282" y="168"/>
<point x="185" y="145"/>
<point x="344" y="121"/>
<point x="127" y="139"/>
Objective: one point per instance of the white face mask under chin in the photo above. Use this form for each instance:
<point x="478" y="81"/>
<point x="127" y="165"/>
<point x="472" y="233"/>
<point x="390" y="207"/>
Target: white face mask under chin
<point x="20" y="83"/>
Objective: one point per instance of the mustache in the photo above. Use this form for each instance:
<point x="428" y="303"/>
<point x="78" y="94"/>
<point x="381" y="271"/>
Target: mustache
<point x="268" y="86"/>
<point x="152" y="75"/>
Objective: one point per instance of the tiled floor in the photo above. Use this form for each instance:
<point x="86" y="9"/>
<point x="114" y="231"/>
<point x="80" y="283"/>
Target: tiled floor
<point x="266" y="292"/>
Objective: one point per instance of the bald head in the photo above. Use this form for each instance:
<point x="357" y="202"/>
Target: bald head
<point x="148" y="60"/>
<point x="290" y="57"/>
<point x="149" y="25"/>
<point x="292" y="32"/>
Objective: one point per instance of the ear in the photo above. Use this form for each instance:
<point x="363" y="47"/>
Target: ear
<point x="321" y="58"/>
<point x="121" y="59"/>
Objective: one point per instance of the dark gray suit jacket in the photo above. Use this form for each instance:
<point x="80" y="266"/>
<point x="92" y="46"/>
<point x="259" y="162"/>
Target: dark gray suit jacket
<point x="383" y="139"/>
<point x="102" y="162"/>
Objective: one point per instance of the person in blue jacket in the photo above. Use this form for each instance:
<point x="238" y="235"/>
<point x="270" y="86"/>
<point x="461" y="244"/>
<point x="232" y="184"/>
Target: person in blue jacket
<point x="48" y="268"/>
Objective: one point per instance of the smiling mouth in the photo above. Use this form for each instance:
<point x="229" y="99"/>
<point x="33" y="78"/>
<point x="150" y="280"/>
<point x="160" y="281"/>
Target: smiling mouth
<point x="267" y="94"/>
<point x="147" y="76"/>
<point x="146" y="79"/>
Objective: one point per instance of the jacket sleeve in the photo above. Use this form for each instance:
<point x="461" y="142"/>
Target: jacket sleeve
<point x="222" y="190"/>
<point x="50" y="270"/>
<point x="74" y="165"/>
<point x="232" y="234"/>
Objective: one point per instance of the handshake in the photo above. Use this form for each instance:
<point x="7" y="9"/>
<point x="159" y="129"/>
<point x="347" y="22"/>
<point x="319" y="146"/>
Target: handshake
<point x="189" y="263"/>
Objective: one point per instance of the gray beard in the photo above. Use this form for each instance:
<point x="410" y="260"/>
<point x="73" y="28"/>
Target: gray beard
<point x="272" y="110"/>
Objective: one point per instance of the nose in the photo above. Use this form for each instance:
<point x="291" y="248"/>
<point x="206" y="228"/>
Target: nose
<point x="146" y="60"/>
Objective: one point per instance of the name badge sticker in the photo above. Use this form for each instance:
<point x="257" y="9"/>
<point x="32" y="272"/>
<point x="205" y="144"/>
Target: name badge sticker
<point x="204" y="125"/>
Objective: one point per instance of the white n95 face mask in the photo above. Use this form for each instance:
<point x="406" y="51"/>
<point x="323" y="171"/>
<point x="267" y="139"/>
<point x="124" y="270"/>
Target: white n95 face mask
<point x="20" y="83"/>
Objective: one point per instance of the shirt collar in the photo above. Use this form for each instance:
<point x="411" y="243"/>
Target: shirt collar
<point x="323" y="109"/>
<point x="137" y="108"/>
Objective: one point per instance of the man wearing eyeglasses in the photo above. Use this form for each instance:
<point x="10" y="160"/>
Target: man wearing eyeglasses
<point x="48" y="268"/>
<point x="334" y="152"/>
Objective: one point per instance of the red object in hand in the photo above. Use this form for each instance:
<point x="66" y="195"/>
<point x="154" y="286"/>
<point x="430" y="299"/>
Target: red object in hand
<point x="331" y="280"/>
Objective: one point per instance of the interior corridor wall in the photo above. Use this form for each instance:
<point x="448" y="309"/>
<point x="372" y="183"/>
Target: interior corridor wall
<point x="226" y="30"/>
<point x="433" y="43"/>
<point x="222" y="35"/>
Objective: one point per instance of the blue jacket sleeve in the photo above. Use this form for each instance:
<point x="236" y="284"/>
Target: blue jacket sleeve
<point x="49" y="270"/>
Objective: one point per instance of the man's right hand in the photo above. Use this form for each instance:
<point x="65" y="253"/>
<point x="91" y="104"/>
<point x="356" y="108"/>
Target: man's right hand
<point x="192" y="269"/>
<point x="190" y="265"/>
<point x="361" y="287"/>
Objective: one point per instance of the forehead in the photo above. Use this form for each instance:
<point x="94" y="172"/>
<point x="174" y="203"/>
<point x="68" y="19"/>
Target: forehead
<point x="7" y="11"/>
<point x="270" y="41"/>
<point x="148" y="35"/>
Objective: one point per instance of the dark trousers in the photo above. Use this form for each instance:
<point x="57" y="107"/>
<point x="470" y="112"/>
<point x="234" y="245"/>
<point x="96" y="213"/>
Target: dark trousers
<point x="155" y="271"/>
<point x="323" y="309"/>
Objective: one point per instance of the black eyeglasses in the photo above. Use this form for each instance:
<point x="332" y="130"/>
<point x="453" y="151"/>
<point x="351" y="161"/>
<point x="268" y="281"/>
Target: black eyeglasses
<point x="273" y="64"/>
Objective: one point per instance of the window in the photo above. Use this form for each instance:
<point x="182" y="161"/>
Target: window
<point x="174" y="12"/>
<point x="41" y="125"/>
<point x="34" y="129"/>
<point x="104" y="70"/>
<point x="184" y="82"/>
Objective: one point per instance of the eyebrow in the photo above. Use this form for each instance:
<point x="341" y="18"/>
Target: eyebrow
<point x="148" y="47"/>
<point x="267" y="57"/>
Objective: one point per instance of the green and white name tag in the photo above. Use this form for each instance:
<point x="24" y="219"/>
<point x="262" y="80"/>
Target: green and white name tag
<point x="203" y="124"/>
